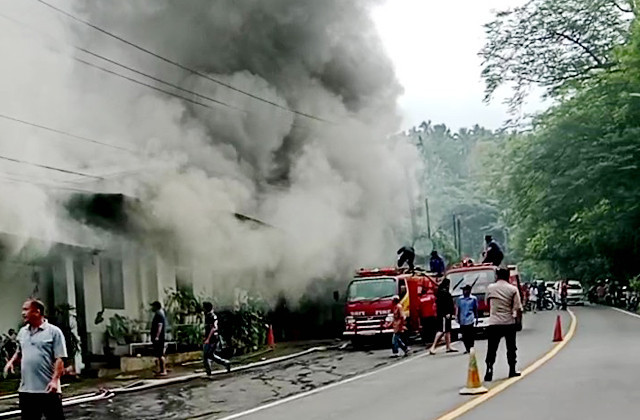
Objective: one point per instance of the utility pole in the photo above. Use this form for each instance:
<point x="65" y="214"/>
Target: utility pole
<point x="455" y="232"/>
<point x="459" y="238"/>
<point x="426" y="206"/>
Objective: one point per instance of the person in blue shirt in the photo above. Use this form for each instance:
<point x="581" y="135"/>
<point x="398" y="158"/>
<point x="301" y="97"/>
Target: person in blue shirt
<point x="436" y="263"/>
<point x="467" y="315"/>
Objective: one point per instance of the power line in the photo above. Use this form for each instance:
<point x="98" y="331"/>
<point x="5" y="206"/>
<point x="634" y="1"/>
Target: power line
<point x="166" y="92"/>
<point x="51" y="168"/>
<point x="41" y="184"/>
<point x="124" y="66"/>
<point x="116" y="74"/>
<point x="64" y="133"/>
<point x="131" y="69"/>
<point x="179" y="65"/>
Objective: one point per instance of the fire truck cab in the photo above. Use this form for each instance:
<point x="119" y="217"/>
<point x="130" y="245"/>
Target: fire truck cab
<point x="369" y="305"/>
<point x="479" y="276"/>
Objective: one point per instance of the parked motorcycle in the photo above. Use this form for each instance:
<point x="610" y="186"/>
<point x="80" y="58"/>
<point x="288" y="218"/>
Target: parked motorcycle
<point x="547" y="301"/>
<point x="633" y="302"/>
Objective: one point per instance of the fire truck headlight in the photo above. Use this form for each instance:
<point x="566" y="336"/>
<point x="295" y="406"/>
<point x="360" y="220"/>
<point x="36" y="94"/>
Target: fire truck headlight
<point x="389" y="319"/>
<point x="349" y="320"/>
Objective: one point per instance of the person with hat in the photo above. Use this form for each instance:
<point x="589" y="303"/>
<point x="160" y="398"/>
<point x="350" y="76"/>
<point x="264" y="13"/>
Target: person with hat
<point x="158" y="331"/>
<point x="467" y="315"/>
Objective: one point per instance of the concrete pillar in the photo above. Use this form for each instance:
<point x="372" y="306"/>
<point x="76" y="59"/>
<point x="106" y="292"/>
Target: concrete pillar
<point x="71" y="300"/>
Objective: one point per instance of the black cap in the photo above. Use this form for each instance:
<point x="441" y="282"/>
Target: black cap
<point x="466" y="287"/>
<point x="157" y="305"/>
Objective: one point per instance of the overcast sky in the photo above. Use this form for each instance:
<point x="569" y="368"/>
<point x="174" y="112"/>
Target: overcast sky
<point x="434" y="45"/>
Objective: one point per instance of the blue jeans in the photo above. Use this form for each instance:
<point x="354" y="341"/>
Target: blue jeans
<point x="396" y="341"/>
<point x="208" y="354"/>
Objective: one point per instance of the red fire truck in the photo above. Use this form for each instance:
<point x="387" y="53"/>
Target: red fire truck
<point x="479" y="276"/>
<point x="369" y="306"/>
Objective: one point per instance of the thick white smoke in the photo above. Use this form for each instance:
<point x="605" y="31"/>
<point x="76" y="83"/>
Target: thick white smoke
<point x="336" y="192"/>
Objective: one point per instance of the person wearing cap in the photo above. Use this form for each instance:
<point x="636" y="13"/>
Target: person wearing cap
<point x="467" y="315"/>
<point x="398" y="325"/>
<point x="158" y="331"/>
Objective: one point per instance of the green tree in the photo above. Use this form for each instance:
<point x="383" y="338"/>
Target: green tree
<point x="556" y="44"/>
<point x="572" y="185"/>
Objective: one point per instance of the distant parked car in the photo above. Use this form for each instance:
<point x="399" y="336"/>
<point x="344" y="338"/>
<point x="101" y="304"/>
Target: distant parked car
<point x="575" y="292"/>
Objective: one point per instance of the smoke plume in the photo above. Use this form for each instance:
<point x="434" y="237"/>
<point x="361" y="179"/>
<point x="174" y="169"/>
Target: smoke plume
<point x="333" y="189"/>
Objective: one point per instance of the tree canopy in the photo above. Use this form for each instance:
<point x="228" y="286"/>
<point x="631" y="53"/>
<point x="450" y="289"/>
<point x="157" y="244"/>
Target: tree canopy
<point x="456" y="168"/>
<point x="571" y="184"/>
<point x="549" y="43"/>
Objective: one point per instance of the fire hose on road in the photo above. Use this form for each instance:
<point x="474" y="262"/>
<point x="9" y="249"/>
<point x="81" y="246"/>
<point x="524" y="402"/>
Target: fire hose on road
<point x="103" y="394"/>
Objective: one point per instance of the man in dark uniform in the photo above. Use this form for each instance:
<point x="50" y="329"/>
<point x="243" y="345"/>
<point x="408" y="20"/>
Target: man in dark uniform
<point x="407" y="255"/>
<point x="436" y="263"/>
<point x="493" y="253"/>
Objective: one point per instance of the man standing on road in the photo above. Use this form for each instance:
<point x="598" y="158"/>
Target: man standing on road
<point x="533" y="297"/>
<point x="493" y="253"/>
<point x="504" y="314"/>
<point x="564" y="292"/>
<point x="467" y="315"/>
<point x="445" y="311"/>
<point x="211" y="339"/>
<point x="158" y="331"/>
<point x="41" y="349"/>
<point x="398" y="325"/>
<point x="542" y="291"/>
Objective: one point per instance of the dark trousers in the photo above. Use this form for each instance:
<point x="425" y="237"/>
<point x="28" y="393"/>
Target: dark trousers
<point x="33" y="406"/>
<point x="563" y="302"/>
<point x="468" y="336"/>
<point x="495" y="334"/>
<point x="209" y="354"/>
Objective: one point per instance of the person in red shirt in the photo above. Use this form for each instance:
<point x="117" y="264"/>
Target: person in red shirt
<point x="398" y="325"/>
<point x="564" y="292"/>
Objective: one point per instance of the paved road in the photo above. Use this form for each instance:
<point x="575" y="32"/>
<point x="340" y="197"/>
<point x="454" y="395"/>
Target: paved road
<point x="594" y="377"/>
<point x="419" y="388"/>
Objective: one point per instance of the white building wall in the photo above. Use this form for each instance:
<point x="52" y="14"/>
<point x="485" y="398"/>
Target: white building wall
<point x="144" y="280"/>
<point x="16" y="285"/>
<point x="93" y="304"/>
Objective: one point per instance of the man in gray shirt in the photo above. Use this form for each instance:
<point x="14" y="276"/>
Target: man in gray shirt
<point x="41" y="349"/>
<point x="505" y="312"/>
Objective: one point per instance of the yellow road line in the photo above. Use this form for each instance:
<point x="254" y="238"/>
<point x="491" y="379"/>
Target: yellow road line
<point x="469" y="405"/>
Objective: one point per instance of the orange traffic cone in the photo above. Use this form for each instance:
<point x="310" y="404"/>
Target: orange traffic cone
<point x="557" y="334"/>
<point x="271" y="341"/>
<point x="474" y="386"/>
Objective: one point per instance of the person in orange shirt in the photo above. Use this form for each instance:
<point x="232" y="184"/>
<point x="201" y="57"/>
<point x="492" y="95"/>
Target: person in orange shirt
<point x="398" y="325"/>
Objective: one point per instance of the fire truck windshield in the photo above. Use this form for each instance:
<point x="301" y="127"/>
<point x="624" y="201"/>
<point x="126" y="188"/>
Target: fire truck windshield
<point x="369" y="289"/>
<point x="479" y="280"/>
